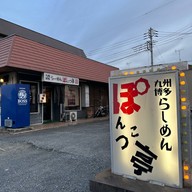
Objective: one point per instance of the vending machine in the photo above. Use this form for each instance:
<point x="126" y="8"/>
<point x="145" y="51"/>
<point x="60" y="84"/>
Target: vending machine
<point x="15" y="105"/>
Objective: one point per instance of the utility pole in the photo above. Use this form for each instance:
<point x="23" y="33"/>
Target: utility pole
<point x="151" y="33"/>
<point x="179" y="52"/>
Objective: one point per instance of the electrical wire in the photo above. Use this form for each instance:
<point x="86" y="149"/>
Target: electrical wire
<point x="122" y="43"/>
<point x="122" y="50"/>
<point x="124" y="57"/>
<point x="125" y="42"/>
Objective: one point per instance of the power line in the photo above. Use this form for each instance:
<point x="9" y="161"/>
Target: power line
<point x="125" y="57"/>
<point x="138" y="17"/>
<point x="183" y="31"/>
<point x="174" y="36"/>
<point x="122" y="50"/>
<point x="159" y="54"/>
<point x="122" y="43"/>
<point x="111" y="52"/>
<point x="136" y="39"/>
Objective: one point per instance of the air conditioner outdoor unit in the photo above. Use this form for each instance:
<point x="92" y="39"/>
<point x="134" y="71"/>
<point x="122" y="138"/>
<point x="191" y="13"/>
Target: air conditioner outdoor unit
<point x="73" y="116"/>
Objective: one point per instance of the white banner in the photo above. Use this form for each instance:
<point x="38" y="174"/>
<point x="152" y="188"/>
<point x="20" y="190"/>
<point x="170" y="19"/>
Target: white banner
<point x="48" y="77"/>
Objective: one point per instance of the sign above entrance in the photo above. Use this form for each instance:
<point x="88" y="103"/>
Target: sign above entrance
<point x="48" y="77"/>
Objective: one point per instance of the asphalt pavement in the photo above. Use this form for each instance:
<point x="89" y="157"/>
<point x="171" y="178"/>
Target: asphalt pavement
<point x="60" y="159"/>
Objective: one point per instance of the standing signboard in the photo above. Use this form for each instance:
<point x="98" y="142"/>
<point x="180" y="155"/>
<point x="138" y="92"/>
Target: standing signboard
<point x="144" y="126"/>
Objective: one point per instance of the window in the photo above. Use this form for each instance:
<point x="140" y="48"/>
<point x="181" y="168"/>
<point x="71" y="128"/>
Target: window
<point x="33" y="96"/>
<point x="72" y="97"/>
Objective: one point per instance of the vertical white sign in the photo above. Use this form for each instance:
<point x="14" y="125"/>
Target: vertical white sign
<point x="144" y="125"/>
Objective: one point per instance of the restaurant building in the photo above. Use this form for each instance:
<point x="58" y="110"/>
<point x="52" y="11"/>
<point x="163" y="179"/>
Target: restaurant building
<point x="62" y="79"/>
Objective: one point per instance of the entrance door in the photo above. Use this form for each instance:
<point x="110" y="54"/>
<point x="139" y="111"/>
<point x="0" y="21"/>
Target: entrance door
<point x="47" y="107"/>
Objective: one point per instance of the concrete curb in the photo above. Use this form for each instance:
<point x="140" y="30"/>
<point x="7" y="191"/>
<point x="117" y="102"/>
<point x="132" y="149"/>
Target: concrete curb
<point x="51" y="125"/>
<point x="108" y="182"/>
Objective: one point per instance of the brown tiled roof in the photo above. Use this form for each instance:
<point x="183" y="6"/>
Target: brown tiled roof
<point x="5" y="48"/>
<point x="23" y="53"/>
<point x="7" y="28"/>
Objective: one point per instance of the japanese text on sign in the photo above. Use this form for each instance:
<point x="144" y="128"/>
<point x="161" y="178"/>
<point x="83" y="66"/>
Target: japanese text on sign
<point x="144" y="127"/>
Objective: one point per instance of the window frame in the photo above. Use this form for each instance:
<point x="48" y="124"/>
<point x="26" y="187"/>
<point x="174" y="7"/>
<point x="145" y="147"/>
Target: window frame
<point x="70" y="107"/>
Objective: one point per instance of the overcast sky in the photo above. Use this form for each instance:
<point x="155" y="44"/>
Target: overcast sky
<point x="111" y="31"/>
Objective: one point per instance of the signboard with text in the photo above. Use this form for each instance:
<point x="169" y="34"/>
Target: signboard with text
<point x="53" y="78"/>
<point x="144" y="126"/>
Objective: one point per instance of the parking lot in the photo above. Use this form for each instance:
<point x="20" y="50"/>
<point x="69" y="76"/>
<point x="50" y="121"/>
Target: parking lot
<point x="56" y="159"/>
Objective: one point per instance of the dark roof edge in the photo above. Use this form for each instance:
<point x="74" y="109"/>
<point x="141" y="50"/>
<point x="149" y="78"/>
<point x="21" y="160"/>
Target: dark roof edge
<point x="38" y="37"/>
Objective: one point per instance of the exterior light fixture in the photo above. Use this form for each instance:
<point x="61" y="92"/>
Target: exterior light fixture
<point x="1" y="80"/>
<point x="182" y="74"/>
<point x="125" y="73"/>
<point x="183" y="99"/>
<point x="182" y="82"/>
<point x="183" y="107"/>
